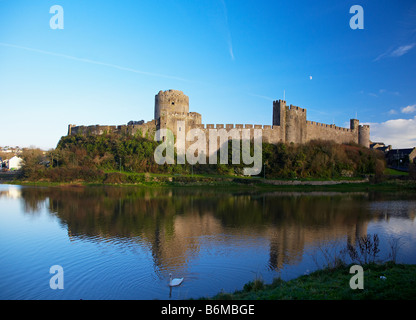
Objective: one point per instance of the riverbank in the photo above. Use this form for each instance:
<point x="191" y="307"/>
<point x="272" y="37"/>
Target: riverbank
<point x="9" y="176"/>
<point x="388" y="281"/>
<point x="167" y="180"/>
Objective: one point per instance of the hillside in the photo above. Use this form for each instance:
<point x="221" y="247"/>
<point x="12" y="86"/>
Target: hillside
<point x="88" y="158"/>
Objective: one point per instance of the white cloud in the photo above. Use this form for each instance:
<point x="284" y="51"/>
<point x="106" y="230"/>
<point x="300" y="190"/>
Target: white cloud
<point x="227" y="30"/>
<point x="400" y="51"/>
<point x="260" y="96"/>
<point x="409" y="109"/>
<point x="93" y="62"/>
<point x="400" y="133"/>
<point x="381" y="92"/>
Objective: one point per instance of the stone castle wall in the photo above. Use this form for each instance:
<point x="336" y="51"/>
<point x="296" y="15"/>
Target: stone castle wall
<point x="143" y="130"/>
<point x="316" y="130"/>
<point x="289" y="124"/>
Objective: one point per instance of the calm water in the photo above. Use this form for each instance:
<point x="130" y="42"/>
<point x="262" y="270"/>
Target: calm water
<point x="122" y="243"/>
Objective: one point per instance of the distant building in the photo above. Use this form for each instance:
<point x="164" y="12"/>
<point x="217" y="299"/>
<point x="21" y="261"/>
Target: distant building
<point x="15" y="163"/>
<point x="401" y="158"/>
<point x="380" y="146"/>
<point x="8" y="149"/>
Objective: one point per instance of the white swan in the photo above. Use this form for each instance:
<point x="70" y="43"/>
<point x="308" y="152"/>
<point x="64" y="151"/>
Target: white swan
<point x="174" y="282"/>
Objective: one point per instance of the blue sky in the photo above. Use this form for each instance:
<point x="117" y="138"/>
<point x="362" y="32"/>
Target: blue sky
<point x="232" y="58"/>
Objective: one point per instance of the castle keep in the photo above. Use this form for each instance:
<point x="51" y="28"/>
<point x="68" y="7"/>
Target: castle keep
<point x="289" y="124"/>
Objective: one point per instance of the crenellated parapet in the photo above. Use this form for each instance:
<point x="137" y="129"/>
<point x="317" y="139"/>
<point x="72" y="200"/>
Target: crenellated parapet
<point x="171" y="101"/>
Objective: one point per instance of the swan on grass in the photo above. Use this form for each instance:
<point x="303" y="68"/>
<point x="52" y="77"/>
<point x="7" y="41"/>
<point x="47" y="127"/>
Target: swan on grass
<point x="174" y="282"/>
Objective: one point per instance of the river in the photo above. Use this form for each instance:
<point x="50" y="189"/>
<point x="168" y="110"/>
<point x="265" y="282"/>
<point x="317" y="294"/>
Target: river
<point x="122" y="242"/>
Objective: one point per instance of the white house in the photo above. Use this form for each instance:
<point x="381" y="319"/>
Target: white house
<point x="15" y="163"/>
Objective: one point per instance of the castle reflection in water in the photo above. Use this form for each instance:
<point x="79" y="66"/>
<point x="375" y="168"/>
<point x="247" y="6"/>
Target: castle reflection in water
<point x="175" y="223"/>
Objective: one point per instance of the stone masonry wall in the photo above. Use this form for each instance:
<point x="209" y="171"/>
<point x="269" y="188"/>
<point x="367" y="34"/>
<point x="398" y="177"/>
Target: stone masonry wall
<point x="316" y="130"/>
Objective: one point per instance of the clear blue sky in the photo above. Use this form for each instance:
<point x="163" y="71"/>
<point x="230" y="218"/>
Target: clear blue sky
<point x="231" y="57"/>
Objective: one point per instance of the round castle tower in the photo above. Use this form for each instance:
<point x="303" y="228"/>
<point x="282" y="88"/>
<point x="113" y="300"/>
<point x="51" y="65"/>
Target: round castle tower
<point x="171" y="101"/>
<point x="363" y="132"/>
<point x="364" y="136"/>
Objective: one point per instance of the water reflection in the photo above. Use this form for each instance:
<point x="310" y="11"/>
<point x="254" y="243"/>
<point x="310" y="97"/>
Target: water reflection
<point x="12" y="192"/>
<point x="174" y="223"/>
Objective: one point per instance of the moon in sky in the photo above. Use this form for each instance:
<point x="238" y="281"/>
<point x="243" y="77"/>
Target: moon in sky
<point x="310" y="77"/>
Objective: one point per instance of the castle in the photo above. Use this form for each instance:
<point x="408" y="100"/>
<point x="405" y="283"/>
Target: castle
<point x="289" y="124"/>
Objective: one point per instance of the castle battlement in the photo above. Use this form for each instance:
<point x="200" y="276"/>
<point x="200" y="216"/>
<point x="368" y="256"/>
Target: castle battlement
<point x="229" y="126"/>
<point x="172" y="97"/>
<point x="331" y="126"/>
<point x="289" y="123"/>
<point x="291" y="107"/>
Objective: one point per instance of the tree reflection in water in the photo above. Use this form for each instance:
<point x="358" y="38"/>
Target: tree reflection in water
<point x="173" y="222"/>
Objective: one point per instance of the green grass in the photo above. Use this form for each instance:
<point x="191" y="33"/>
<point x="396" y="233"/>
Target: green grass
<point x="195" y="176"/>
<point x="210" y="180"/>
<point x="333" y="284"/>
<point x="394" y="172"/>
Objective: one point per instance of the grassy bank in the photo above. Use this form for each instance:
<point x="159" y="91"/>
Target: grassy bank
<point x="333" y="284"/>
<point x="393" y="172"/>
<point x="117" y="178"/>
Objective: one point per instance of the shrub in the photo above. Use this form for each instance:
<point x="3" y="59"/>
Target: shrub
<point x="84" y="157"/>
<point x="115" y="178"/>
<point x="365" y="250"/>
<point x="412" y="171"/>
